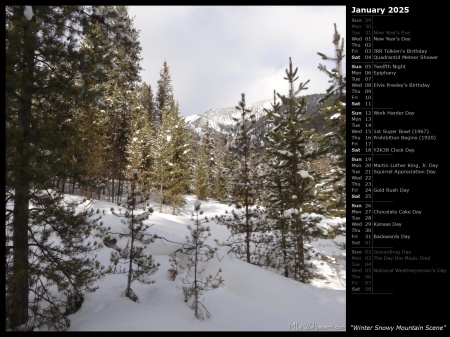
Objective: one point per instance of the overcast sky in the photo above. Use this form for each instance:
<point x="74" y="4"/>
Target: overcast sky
<point x="215" y="53"/>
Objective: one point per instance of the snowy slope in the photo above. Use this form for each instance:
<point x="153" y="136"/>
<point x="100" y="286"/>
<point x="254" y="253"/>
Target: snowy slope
<point x="252" y="298"/>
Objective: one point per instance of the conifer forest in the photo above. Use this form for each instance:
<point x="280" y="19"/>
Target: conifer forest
<point x="79" y="121"/>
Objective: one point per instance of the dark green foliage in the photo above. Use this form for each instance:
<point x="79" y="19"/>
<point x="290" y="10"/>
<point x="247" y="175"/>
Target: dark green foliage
<point x="148" y="102"/>
<point x="208" y="165"/>
<point x="333" y="144"/>
<point x="171" y="172"/>
<point x="164" y="94"/>
<point x="246" y="226"/>
<point x="202" y="173"/>
<point x="62" y="264"/>
<point x="51" y="73"/>
<point x="140" y="150"/>
<point x="290" y="183"/>
<point x="243" y="182"/>
<point x="107" y="126"/>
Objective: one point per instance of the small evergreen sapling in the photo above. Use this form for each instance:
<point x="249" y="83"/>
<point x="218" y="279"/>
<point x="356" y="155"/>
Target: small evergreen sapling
<point x="198" y="253"/>
<point x="140" y="265"/>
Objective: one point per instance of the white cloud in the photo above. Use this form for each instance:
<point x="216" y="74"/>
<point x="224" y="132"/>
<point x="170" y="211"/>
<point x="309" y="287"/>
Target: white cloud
<point x="215" y="53"/>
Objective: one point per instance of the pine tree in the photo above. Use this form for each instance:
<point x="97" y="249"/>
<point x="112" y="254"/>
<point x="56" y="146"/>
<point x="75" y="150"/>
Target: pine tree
<point x="220" y="185"/>
<point x="90" y="164"/>
<point x="138" y="265"/>
<point x="277" y="250"/>
<point x="202" y="185"/>
<point x="333" y="144"/>
<point x="164" y="94"/>
<point x="245" y="219"/>
<point x="148" y="102"/>
<point x="206" y="166"/>
<point x="140" y="150"/>
<point x="208" y="144"/>
<point x="118" y="95"/>
<point x="70" y="264"/>
<point x="173" y="144"/>
<point x="123" y="103"/>
<point x="243" y="149"/>
<point x="198" y="254"/>
<point x="50" y="76"/>
<point x="290" y="185"/>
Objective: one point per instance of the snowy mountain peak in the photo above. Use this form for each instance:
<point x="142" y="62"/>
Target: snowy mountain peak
<point x="221" y="119"/>
<point x="224" y="116"/>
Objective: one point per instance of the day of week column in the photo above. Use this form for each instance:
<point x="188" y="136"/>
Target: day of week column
<point x="361" y="155"/>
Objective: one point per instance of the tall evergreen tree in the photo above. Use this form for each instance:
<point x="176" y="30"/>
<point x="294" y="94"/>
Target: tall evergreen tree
<point x="202" y="187"/>
<point x="205" y="175"/>
<point x="277" y="253"/>
<point x="243" y="184"/>
<point x="290" y="185"/>
<point x="140" y="149"/>
<point x="173" y="144"/>
<point x="105" y="127"/>
<point x="219" y="172"/>
<point x="118" y="101"/>
<point x="243" y="180"/>
<point x="148" y="102"/>
<point x="208" y="144"/>
<point x="164" y="94"/>
<point x="333" y="187"/>
<point x="333" y="143"/>
<point x="49" y="76"/>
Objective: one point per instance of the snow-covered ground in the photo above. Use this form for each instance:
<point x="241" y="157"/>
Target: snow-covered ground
<point x="251" y="299"/>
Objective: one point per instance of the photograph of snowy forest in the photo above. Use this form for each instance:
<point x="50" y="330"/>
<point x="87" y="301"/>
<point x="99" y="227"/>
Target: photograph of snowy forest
<point x="126" y="212"/>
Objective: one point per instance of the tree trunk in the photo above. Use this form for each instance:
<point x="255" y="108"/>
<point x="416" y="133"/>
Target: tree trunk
<point x="119" y="189"/>
<point x="112" y="188"/>
<point x="73" y="185"/>
<point x="161" y="193"/>
<point x="18" y="314"/>
<point x="63" y="183"/>
<point x="247" y="230"/>
<point x="19" y="282"/>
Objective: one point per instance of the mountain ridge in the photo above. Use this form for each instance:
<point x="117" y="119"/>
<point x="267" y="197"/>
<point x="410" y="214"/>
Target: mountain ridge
<point x="221" y="119"/>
